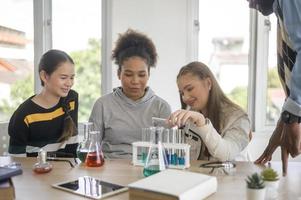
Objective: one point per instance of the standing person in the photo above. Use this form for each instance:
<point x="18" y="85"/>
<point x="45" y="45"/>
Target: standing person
<point x="217" y="128"/>
<point x="287" y="133"/>
<point x="121" y="115"/>
<point x="48" y="119"/>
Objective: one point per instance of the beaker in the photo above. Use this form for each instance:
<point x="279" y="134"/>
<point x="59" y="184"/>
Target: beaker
<point x="83" y="147"/>
<point x="156" y="160"/>
<point x="94" y="156"/>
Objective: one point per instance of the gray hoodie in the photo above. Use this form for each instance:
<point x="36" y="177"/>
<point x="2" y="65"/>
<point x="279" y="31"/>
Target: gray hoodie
<point x="120" y="119"/>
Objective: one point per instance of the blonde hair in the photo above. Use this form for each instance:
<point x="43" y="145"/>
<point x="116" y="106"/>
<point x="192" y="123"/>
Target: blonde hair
<point x="216" y="98"/>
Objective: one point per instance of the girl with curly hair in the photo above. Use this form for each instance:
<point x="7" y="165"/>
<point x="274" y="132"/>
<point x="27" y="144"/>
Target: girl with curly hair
<point x="121" y="115"/>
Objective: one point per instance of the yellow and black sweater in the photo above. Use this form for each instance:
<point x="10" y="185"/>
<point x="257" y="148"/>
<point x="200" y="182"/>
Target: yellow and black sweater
<point x="32" y="127"/>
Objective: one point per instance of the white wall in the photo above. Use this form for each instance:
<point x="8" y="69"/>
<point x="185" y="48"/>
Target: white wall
<point x="166" y="22"/>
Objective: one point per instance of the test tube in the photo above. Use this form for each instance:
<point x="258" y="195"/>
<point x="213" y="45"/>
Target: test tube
<point x="167" y="140"/>
<point x="144" y="138"/>
<point x="161" y="138"/>
<point x="174" y="141"/>
<point x="181" y="158"/>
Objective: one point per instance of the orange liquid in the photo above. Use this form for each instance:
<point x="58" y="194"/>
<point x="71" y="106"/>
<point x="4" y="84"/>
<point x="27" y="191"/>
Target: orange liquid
<point x="42" y="168"/>
<point x="94" y="160"/>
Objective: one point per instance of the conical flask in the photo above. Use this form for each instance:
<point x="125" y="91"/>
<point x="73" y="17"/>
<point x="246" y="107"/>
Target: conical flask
<point x="156" y="160"/>
<point x="94" y="156"/>
<point x="83" y="147"/>
<point x="42" y="166"/>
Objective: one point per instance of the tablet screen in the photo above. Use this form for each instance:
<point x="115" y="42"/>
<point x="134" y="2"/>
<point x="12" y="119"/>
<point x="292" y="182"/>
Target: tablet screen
<point x="89" y="187"/>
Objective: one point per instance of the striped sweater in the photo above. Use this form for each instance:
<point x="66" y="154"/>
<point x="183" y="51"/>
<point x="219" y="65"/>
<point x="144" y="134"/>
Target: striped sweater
<point x="32" y="127"/>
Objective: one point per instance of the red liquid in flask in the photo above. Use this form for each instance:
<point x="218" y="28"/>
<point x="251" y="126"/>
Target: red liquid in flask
<point x="94" y="159"/>
<point x="41" y="169"/>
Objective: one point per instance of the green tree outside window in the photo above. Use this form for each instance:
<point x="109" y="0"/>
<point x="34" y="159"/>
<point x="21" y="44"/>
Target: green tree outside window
<point x="87" y="83"/>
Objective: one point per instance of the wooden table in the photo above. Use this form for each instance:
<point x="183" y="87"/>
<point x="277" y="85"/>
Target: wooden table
<point x="38" y="186"/>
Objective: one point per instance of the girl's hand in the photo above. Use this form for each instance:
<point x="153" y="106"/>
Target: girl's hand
<point x="180" y="118"/>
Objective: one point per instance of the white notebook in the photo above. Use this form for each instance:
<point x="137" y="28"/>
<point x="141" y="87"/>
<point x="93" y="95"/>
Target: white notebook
<point x="174" y="184"/>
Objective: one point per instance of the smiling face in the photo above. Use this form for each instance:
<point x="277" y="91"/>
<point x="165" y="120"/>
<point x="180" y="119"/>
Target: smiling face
<point x="194" y="91"/>
<point x="134" y="75"/>
<point x="60" y="81"/>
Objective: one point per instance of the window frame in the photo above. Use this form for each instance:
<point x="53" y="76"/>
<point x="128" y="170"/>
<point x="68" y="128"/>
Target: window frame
<point x="42" y="35"/>
<point x="106" y="48"/>
<point x="258" y="62"/>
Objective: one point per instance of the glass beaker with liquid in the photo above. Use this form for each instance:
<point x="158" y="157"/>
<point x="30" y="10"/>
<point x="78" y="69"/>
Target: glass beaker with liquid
<point x="95" y="157"/>
<point x="83" y="147"/>
<point x="156" y="160"/>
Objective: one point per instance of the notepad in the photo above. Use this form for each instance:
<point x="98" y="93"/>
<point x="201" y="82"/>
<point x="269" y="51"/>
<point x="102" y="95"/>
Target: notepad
<point x="173" y="184"/>
<point x="7" y="172"/>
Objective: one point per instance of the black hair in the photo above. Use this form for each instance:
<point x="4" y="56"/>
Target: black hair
<point x="51" y="60"/>
<point x="132" y="43"/>
<point x="69" y="128"/>
<point x="263" y="6"/>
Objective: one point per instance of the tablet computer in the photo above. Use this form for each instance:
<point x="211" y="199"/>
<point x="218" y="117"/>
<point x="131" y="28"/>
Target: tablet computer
<point x="90" y="187"/>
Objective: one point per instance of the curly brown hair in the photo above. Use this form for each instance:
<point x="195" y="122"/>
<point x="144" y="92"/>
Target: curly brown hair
<point x="133" y="43"/>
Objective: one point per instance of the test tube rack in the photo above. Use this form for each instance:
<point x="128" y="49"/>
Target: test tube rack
<point x="173" y="147"/>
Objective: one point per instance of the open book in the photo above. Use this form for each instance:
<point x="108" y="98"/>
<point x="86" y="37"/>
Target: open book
<point x="173" y="184"/>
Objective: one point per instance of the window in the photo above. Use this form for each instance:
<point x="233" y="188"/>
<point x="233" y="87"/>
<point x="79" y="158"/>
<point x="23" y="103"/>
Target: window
<point x="76" y="29"/>
<point x="275" y="95"/>
<point x="224" y="45"/>
<point x="16" y="55"/>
